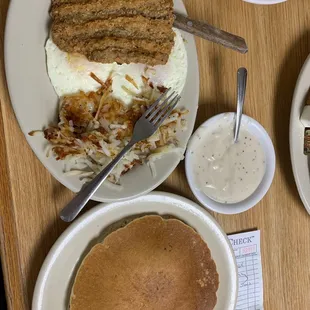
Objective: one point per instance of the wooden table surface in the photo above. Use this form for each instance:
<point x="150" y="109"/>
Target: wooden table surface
<point x="279" y="42"/>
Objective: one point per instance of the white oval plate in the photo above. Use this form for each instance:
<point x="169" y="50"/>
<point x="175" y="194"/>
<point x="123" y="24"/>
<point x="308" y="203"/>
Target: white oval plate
<point x="300" y="162"/>
<point x="35" y="103"/>
<point x="55" y="279"/>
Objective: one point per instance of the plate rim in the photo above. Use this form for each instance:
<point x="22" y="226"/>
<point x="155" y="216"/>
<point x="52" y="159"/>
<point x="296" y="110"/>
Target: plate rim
<point x="65" y="181"/>
<point x="64" y="238"/>
<point x="293" y="130"/>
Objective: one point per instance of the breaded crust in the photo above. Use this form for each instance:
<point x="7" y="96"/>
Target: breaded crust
<point x="123" y="27"/>
<point x="87" y="46"/>
<point x="59" y="2"/>
<point x="140" y="29"/>
<point x="83" y="12"/>
<point x="121" y="56"/>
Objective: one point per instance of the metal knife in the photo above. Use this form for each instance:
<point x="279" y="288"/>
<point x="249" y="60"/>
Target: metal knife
<point x="210" y="33"/>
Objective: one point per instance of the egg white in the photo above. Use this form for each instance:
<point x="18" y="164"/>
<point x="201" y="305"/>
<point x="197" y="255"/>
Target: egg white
<point x="70" y="73"/>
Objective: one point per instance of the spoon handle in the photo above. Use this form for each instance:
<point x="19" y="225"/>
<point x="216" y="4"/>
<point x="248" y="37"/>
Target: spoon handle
<point x="241" y="87"/>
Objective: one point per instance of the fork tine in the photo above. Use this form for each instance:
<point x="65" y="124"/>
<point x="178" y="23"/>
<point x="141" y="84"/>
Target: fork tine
<point x="160" y="107"/>
<point x="167" y="111"/>
<point x="164" y="110"/>
<point x="155" y="104"/>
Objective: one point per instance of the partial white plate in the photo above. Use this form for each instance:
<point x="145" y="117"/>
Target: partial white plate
<point x="265" y="2"/>
<point x="300" y="162"/>
<point x="54" y="282"/>
<point x="35" y="102"/>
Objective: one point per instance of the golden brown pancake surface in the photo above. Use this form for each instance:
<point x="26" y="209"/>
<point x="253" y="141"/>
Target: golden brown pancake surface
<point x="150" y="264"/>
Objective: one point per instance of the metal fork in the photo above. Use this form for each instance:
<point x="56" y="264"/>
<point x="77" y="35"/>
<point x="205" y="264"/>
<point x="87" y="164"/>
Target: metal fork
<point x="145" y="127"/>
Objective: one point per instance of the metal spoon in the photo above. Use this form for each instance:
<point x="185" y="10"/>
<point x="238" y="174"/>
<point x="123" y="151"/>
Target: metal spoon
<point x="241" y="87"/>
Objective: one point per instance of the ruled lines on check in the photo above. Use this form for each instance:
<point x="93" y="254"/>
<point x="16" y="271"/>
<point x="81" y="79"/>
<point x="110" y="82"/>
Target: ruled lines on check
<point x="246" y="247"/>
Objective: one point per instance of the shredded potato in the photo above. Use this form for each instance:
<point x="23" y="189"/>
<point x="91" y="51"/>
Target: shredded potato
<point x="94" y="127"/>
<point x="131" y="80"/>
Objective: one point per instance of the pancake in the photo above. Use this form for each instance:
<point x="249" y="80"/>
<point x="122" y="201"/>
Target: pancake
<point x="149" y="264"/>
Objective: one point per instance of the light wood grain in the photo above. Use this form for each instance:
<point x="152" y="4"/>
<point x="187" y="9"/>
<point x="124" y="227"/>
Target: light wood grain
<point x="279" y="42"/>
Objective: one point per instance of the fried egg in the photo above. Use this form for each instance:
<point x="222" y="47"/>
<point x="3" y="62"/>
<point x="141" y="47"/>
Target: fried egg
<point x="70" y="73"/>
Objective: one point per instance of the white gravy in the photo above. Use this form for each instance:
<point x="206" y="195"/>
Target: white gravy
<point x="225" y="171"/>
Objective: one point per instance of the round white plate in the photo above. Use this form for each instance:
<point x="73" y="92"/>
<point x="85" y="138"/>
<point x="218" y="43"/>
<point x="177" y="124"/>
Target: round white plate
<point x="300" y="162"/>
<point x="36" y="104"/>
<point x="57" y="274"/>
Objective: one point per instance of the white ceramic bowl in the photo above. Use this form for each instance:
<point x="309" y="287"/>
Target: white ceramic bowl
<point x="232" y="208"/>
